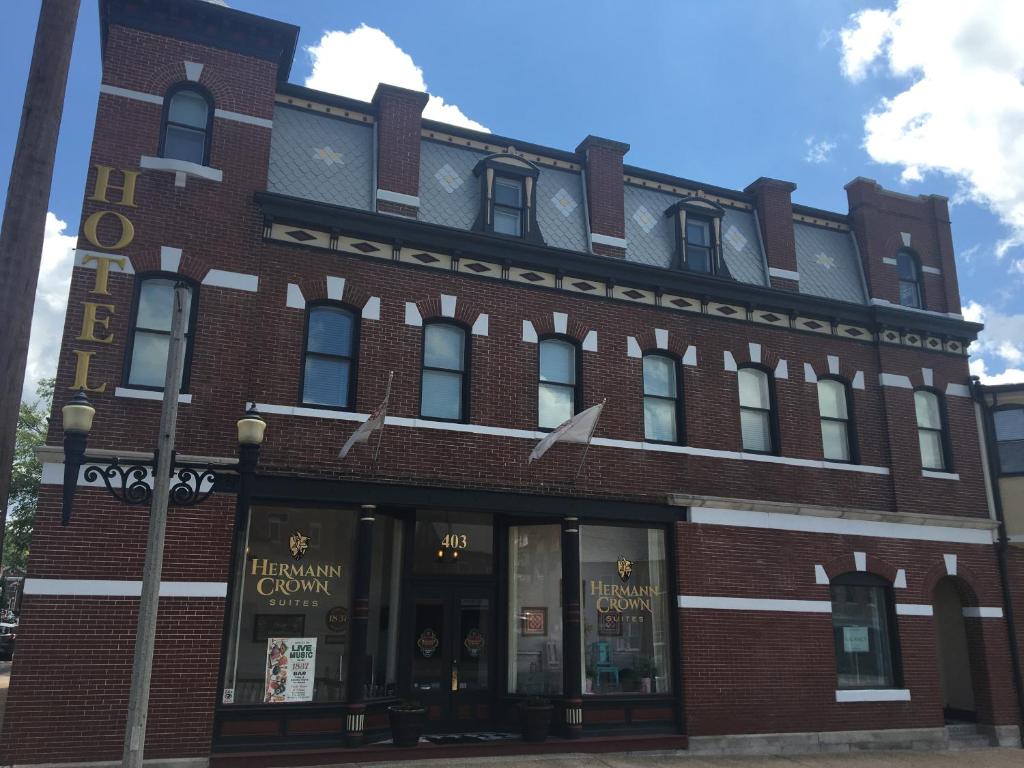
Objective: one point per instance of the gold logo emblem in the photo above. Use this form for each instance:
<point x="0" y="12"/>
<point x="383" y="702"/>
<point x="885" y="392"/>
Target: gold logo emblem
<point x="625" y="568"/>
<point x="298" y="543"/>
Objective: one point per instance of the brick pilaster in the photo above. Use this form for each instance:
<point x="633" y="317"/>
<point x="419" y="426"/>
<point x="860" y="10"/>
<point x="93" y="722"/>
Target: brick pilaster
<point x="602" y="163"/>
<point x="399" y="115"/>
<point x="774" y="205"/>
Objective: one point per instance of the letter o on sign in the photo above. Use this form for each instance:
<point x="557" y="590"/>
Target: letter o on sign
<point x="92" y="224"/>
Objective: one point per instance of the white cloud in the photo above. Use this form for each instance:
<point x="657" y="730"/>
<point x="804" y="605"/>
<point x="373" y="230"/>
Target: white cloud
<point x="1001" y="343"/>
<point x="818" y="151"/>
<point x="353" y="63"/>
<point x="50" y="305"/>
<point x="961" y="110"/>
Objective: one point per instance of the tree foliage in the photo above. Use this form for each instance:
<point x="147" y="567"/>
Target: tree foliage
<point x="26" y="475"/>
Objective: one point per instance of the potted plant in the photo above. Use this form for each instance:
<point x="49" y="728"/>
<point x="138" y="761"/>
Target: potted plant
<point x="535" y="715"/>
<point x="407" y="719"/>
<point x="647" y="672"/>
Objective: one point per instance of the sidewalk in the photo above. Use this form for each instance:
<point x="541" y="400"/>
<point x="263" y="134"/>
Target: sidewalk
<point x="976" y="758"/>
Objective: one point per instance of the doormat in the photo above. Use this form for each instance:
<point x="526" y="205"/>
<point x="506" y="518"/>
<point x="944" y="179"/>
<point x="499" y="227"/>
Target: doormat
<point x="470" y="738"/>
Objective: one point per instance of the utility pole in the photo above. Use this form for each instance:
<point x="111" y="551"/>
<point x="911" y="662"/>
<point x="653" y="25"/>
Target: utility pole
<point x="28" y="194"/>
<point x="149" y="603"/>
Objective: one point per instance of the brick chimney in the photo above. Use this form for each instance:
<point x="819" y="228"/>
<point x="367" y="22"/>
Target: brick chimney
<point x="602" y="163"/>
<point x="774" y="205"/>
<point x="399" y="115"/>
<point x="885" y="222"/>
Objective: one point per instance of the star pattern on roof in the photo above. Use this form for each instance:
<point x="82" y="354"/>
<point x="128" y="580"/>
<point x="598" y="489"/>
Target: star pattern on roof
<point x="644" y="218"/>
<point x="327" y="156"/>
<point x="825" y="260"/>
<point x="735" y="238"/>
<point x="448" y="178"/>
<point x="564" y="202"/>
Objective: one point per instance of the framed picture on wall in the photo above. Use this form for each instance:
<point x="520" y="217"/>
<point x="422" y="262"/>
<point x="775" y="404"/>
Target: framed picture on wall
<point x="609" y="625"/>
<point x="533" y="622"/>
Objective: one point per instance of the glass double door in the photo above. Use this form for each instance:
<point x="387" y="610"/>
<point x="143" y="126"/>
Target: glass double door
<point x="452" y="651"/>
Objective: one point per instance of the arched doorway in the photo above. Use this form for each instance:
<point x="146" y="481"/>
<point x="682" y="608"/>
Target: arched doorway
<point x="958" y="701"/>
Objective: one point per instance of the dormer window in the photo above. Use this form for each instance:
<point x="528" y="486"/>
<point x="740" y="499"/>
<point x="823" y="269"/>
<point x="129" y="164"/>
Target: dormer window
<point x="507" y="206"/>
<point x="698" y="245"/>
<point x="698" y="227"/>
<point x="508" y="191"/>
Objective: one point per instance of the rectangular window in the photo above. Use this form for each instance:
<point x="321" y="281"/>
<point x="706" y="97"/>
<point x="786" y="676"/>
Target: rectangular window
<point x="508" y="206"/>
<point x="151" y="336"/>
<point x="929" y="430"/>
<point x="755" y="410"/>
<point x="1010" y="440"/>
<point x="862" y="635"/>
<point x="698" y="245"/>
<point x="330" y="335"/>
<point x="625" y="607"/>
<point x="660" y="399"/>
<point x="535" y="666"/>
<point x="444" y="360"/>
<point x="286" y="595"/>
<point x="835" y="420"/>
<point x="556" y="391"/>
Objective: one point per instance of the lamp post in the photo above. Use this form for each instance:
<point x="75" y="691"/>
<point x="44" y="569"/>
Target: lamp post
<point x="77" y="420"/>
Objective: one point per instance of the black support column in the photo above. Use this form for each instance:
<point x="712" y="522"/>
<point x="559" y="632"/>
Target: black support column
<point x="572" y="628"/>
<point x="358" y="625"/>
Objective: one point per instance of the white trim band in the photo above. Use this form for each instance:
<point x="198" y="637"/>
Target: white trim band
<point x="839" y="525"/>
<point x="181" y="166"/>
<point x="890" y="305"/>
<point x="122" y="588"/>
<point x="939" y="475"/>
<point x="914" y="609"/>
<point x="238" y="117"/>
<point x="529" y="434"/>
<point x="397" y="197"/>
<point x="615" y="242"/>
<point x="236" y="280"/>
<point x="754" y="604"/>
<point x="149" y="394"/>
<point x="878" y="694"/>
<point x="982" y="612"/>
<point x="149" y="98"/>
<point x="785" y="274"/>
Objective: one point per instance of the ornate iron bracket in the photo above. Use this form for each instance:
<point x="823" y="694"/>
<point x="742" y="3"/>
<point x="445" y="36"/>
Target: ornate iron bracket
<point x="132" y="483"/>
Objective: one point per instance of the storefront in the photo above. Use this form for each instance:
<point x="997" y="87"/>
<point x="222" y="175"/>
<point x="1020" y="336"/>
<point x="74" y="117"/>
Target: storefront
<point x="337" y="608"/>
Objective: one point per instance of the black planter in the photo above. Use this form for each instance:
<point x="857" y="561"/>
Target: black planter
<point x="536" y="721"/>
<point x="407" y="725"/>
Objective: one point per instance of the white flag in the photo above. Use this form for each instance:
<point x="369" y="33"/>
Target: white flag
<point x="371" y="425"/>
<point x="578" y="429"/>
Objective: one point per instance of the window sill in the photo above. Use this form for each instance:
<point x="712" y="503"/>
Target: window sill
<point x="873" y="694"/>
<point x="935" y="475"/>
<point x="181" y="169"/>
<point x="149" y="394"/>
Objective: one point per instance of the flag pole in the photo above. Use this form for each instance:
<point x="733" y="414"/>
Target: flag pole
<point x="387" y="397"/>
<point x="590" y="437"/>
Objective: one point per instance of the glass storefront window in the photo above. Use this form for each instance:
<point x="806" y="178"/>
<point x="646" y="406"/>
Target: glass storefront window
<point x="535" y="610"/>
<point x="625" y="600"/>
<point x="453" y="544"/>
<point x="290" y="633"/>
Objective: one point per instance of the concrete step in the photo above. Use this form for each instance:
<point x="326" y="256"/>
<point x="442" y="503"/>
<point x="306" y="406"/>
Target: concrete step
<point x="957" y="730"/>
<point x="970" y="742"/>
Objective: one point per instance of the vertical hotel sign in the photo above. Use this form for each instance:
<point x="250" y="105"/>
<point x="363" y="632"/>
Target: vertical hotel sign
<point x="119" y="232"/>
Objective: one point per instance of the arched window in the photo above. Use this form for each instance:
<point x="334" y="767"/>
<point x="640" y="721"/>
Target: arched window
<point x="556" y="389"/>
<point x="756" y="422"/>
<point x="930" y="432"/>
<point x="834" y="411"/>
<point x="863" y="630"/>
<point x="1009" y="423"/>
<point x="151" y="332"/>
<point x="661" y="398"/>
<point x="443" y="384"/>
<point x="909" y="272"/>
<point x="330" y="355"/>
<point x="188" y="115"/>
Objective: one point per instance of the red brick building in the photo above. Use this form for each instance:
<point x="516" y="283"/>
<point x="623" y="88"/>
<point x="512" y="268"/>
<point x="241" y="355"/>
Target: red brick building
<point x="779" y="536"/>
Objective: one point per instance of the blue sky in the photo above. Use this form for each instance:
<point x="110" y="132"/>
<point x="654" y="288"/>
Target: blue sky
<point x="720" y="92"/>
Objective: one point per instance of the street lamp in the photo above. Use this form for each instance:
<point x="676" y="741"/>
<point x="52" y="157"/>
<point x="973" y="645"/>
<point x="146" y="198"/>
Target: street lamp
<point x="131" y="483"/>
<point x="77" y="421"/>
